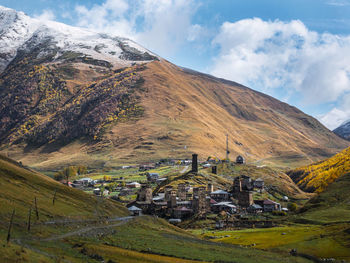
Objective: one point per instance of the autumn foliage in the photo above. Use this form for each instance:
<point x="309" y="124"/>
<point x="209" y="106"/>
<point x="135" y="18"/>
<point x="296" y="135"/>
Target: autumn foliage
<point x="316" y="177"/>
<point x="38" y="108"/>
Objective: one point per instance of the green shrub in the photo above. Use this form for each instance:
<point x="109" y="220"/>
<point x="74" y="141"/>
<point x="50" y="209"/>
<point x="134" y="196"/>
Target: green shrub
<point x="292" y="207"/>
<point x="279" y="213"/>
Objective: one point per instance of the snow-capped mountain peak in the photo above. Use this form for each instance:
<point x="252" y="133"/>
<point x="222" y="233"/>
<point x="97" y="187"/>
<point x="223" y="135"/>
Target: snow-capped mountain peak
<point x="20" y="32"/>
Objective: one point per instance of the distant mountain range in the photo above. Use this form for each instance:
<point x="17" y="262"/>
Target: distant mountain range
<point x="343" y="130"/>
<point x="71" y="96"/>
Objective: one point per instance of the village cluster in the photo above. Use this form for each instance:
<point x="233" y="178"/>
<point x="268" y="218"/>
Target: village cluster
<point x="185" y="201"/>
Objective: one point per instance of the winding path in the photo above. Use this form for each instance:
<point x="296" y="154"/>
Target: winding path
<point x="21" y="241"/>
<point x="122" y="220"/>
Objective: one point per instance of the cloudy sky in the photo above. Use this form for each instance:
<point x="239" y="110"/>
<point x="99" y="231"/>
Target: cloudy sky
<point x="297" y="51"/>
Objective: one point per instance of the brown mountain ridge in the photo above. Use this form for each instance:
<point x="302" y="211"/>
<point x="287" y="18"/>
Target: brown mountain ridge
<point x="156" y="110"/>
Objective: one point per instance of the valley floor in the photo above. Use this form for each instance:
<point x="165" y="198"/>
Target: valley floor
<point x="321" y="241"/>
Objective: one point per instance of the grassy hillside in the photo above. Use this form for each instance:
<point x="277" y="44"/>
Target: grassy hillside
<point x="316" y="177"/>
<point x="144" y="239"/>
<point x="332" y="205"/>
<point x="161" y="239"/>
<point x="19" y="187"/>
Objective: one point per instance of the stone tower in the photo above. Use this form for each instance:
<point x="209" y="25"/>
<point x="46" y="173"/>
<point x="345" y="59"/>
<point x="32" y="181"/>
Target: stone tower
<point x="181" y="192"/>
<point x="145" y="194"/>
<point x="237" y="186"/>
<point x="172" y="199"/>
<point x="167" y="193"/>
<point x="195" y="163"/>
<point x="245" y="198"/>
<point x="199" y="200"/>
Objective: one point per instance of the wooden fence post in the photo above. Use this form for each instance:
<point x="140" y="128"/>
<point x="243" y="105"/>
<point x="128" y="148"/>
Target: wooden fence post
<point x="36" y="209"/>
<point x="29" y="218"/>
<point x="54" y="197"/>
<point x="10" y="226"/>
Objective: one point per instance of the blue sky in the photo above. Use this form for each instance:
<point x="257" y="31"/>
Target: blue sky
<point x="296" y="51"/>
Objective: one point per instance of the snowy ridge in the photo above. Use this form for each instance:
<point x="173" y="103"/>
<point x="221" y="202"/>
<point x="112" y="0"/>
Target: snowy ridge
<point x="343" y="130"/>
<point x="20" y="32"/>
<point x="14" y="32"/>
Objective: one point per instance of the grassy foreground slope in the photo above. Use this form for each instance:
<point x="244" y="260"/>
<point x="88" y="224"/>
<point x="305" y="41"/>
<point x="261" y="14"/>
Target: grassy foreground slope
<point x="316" y="177"/>
<point x="158" y="237"/>
<point x="19" y="187"/>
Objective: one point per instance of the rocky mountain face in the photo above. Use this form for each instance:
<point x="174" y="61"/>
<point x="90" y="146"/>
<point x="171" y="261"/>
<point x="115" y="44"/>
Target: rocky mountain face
<point x="343" y="131"/>
<point x="68" y="96"/>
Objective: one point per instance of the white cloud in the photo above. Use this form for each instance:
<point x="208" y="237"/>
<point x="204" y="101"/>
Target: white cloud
<point x="167" y="23"/>
<point x="338" y="115"/>
<point x="335" y="118"/>
<point x="267" y="55"/>
<point x="46" y="15"/>
<point x="160" y="25"/>
<point x="107" y="17"/>
<point x="195" y="32"/>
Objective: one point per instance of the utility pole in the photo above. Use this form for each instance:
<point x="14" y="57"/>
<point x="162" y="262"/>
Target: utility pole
<point x="227" y="151"/>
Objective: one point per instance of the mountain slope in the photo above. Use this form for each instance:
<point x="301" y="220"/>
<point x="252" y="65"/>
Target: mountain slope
<point x="316" y="177"/>
<point x="71" y="96"/>
<point x="343" y="130"/>
<point x="193" y="113"/>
